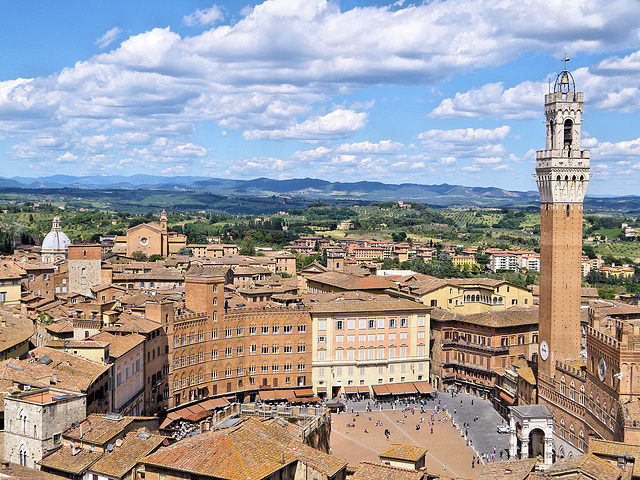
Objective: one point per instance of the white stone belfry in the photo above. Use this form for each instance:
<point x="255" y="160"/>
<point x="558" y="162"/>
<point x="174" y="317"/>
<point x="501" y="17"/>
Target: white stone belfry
<point x="531" y="429"/>
<point x="562" y="169"/>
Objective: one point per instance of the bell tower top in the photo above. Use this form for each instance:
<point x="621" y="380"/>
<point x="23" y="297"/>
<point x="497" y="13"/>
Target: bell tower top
<point x="562" y="169"/>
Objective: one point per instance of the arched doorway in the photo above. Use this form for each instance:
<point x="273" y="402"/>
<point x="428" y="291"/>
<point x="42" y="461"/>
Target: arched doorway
<point x="536" y="443"/>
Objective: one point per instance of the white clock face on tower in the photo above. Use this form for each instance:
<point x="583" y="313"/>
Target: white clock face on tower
<point x="544" y="350"/>
<point x="602" y="369"/>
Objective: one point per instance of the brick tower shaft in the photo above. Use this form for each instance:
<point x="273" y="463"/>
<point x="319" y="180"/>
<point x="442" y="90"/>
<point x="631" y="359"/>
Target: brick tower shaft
<point x="562" y="175"/>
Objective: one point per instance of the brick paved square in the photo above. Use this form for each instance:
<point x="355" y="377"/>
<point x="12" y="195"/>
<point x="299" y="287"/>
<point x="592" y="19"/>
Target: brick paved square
<point x="444" y="447"/>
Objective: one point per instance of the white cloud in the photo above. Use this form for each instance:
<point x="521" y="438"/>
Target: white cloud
<point x="188" y="150"/>
<point x="206" y="17"/>
<point x="257" y="167"/>
<point x="337" y="124"/>
<point x="108" y="38"/>
<point x="383" y="147"/>
<point x="466" y="142"/>
<point x="67" y="157"/>
<point x="177" y="170"/>
<point x="284" y="60"/>
<point x="494" y="101"/>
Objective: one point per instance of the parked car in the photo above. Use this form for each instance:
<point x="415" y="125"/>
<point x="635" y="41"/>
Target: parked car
<point x="503" y="429"/>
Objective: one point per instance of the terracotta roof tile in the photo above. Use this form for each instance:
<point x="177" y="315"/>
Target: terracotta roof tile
<point x="499" y="318"/>
<point x="135" y="446"/>
<point x="64" y="460"/>
<point x="402" y="451"/>
<point x="98" y="428"/>
<point x="250" y="450"/>
<point x="119" y="344"/>
<point x="512" y="469"/>
<point x="373" y="471"/>
<point x="370" y="304"/>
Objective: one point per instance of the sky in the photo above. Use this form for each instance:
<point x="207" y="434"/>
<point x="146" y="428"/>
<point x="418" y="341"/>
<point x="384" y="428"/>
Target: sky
<point x="445" y="91"/>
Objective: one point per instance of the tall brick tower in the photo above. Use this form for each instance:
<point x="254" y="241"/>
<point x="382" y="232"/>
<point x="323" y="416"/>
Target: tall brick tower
<point x="562" y="175"/>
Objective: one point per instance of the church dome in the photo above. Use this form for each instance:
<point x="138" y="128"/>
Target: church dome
<point x="56" y="240"/>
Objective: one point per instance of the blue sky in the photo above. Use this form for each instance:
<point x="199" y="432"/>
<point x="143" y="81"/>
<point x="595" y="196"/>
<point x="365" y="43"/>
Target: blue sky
<point x="443" y="91"/>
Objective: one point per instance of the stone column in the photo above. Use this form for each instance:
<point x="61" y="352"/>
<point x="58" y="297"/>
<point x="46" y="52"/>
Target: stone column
<point x="548" y="450"/>
<point x="513" y="437"/>
<point x="524" y="449"/>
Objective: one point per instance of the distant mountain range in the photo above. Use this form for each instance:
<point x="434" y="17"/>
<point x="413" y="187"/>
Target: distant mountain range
<point x="436" y="195"/>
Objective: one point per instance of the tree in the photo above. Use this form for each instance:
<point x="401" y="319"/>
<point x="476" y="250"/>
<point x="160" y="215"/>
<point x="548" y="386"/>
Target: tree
<point x="247" y="247"/>
<point x="483" y="259"/>
<point x="139" y="256"/>
<point x="185" y="251"/>
<point x="156" y="257"/>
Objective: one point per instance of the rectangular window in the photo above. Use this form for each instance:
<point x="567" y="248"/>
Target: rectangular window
<point x="302" y="328"/>
<point x="338" y="354"/>
<point x="322" y="325"/>
<point x="288" y="349"/>
<point x="371" y="323"/>
<point x="362" y="338"/>
<point x="265" y="349"/>
<point x="339" y="338"/>
<point x="339" y="324"/>
<point x="352" y="324"/>
<point x="253" y="349"/>
<point x="288" y="329"/>
<point x="275" y="368"/>
<point x="265" y="329"/>
<point x="421" y="321"/>
<point x="275" y="329"/>
<point x="381" y="323"/>
<point x="275" y="349"/>
<point x="393" y="323"/>
<point x="363" y="323"/>
<point x="265" y="368"/>
<point x="321" y="356"/>
<point x="302" y="348"/>
<point x="322" y="339"/>
<point x="301" y="367"/>
<point x="253" y="330"/>
<point x="404" y="322"/>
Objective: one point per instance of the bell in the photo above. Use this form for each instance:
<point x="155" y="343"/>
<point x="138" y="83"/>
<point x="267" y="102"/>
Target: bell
<point x="565" y="79"/>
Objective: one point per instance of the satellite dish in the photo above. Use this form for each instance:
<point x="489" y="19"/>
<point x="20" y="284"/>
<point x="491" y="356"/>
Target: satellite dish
<point x="119" y="442"/>
<point x="110" y="448"/>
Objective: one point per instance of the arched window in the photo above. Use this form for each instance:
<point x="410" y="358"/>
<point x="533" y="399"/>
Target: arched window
<point x="23" y="455"/>
<point x="563" y="386"/>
